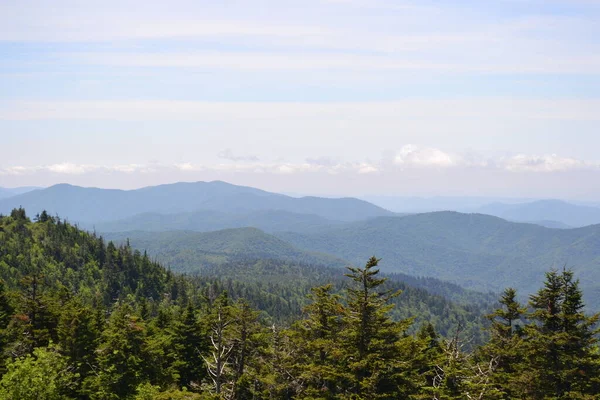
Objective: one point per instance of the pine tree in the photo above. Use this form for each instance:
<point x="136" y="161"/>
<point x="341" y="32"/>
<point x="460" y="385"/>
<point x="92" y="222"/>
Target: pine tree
<point x="248" y="339"/>
<point x="190" y="343"/>
<point x="121" y="357"/>
<point x="505" y="347"/>
<point x="321" y="353"/>
<point x="376" y="348"/>
<point x="562" y="355"/>
<point x="78" y="336"/>
<point x="6" y="313"/>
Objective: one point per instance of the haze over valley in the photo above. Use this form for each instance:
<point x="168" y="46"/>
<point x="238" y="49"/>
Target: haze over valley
<point x="475" y="250"/>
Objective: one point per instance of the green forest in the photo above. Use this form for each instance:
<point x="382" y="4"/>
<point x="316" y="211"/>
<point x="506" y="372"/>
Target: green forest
<point x="81" y="318"/>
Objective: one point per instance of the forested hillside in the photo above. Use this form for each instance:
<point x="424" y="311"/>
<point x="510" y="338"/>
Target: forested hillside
<point x="186" y="251"/>
<point x="206" y="221"/>
<point x="88" y="320"/>
<point x="250" y="255"/>
<point x="473" y="250"/>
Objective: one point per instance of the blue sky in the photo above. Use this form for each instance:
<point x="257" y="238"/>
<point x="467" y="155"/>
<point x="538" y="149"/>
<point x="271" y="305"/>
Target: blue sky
<point x="347" y="97"/>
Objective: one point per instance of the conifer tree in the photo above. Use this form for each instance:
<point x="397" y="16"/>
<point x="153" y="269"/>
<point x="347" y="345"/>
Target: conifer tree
<point x="505" y="347"/>
<point x="376" y="349"/>
<point x="190" y="343"/>
<point x="6" y="313"/>
<point x="78" y="336"/>
<point x="121" y="357"/>
<point x="248" y="338"/>
<point x="562" y="355"/>
<point x="318" y="339"/>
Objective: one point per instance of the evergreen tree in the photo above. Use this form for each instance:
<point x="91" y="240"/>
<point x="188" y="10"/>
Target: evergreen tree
<point x="78" y="336"/>
<point x="248" y="339"/>
<point x="505" y="348"/>
<point x="190" y="344"/>
<point x="562" y="355"/>
<point x="6" y="313"/>
<point x="376" y="349"/>
<point x="121" y="357"/>
<point x="318" y="339"/>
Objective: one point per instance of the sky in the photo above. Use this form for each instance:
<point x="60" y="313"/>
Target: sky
<point x="331" y="97"/>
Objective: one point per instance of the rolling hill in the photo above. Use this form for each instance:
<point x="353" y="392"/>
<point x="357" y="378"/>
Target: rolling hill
<point x="473" y="250"/>
<point x="93" y="205"/>
<point x="214" y="253"/>
<point x="186" y="251"/>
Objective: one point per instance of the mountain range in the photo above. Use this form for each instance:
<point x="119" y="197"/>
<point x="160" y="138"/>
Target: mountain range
<point x="93" y="205"/>
<point x="567" y="214"/>
<point x="476" y="251"/>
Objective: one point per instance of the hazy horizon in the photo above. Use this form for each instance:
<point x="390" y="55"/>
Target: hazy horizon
<point x="331" y="97"/>
<point x="389" y="201"/>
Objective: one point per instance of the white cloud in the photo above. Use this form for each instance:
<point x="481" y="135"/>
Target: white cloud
<point x="69" y="168"/>
<point x="187" y="167"/>
<point x="545" y="163"/>
<point x="411" y="155"/>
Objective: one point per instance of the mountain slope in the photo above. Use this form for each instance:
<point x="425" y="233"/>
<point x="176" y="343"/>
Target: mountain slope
<point x="545" y="210"/>
<point x="77" y="264"/>
<point x="476" y="251"/>
<point x="94" y="205"/>
<point x="192" y="251"/>
<point x="206" y="221"/>
<point x="10" y="192"/>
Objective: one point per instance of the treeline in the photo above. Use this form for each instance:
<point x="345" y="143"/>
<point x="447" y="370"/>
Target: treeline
<point x="81" y="319"/>
<point x="293" y="282"/>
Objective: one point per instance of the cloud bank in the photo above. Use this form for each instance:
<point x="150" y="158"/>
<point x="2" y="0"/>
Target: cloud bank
<point x="409" y="156"/>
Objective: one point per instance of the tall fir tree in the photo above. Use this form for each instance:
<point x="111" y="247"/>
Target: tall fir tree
<point x="505" y="347"/>
<point x="377" y="352"/>
<point x="191" y="342"/>
<point x="318" y="338"/>
<point x="562" y="355"/>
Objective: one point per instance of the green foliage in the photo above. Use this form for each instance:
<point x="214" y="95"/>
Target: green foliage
<point x="375" y="346"/>
<point x="477" y="251"/>
<point x="45" y="375"/>
<point x="186" y="251"/>
<point x="126" y="328"/>
<point x="561" y="343"/>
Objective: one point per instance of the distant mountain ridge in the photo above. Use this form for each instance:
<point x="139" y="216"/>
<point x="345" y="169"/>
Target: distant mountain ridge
<point x="206" y="221"/>
<point x="90" y="205"/>
<point x="10" y="192"/>
<point x="571" y="215"/>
